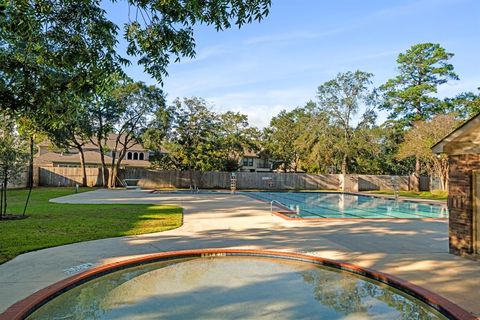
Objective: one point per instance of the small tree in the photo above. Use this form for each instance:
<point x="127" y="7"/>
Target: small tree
<point x="192" y="141"/>
<point x="136" y="102"/>
<point x="280" y="138"/>
<point x="13" y="161"/>
<point x="236" y="136"/>
<point x="423" y="135"/>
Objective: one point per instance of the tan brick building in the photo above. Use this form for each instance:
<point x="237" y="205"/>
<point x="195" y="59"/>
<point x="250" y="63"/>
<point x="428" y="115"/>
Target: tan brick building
<point x="48" y="156"/>
<point x="463" y="149"/>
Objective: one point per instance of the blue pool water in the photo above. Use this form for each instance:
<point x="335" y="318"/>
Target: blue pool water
<point x="339" y="205"/>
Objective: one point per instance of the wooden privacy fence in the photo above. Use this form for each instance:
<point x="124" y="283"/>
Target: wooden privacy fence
<point x="221" y="180"/>
<point x="382" y="182"/>
<point x="154" y="179"/>
<point x="287" y="181"/>
<point x="69" y="177"/>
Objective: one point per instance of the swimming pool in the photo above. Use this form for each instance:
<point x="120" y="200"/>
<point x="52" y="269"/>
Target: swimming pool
<point x="344" y="205"/>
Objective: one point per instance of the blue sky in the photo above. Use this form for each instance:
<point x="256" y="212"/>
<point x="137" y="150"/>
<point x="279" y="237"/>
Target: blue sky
<point x="279" y="63"/>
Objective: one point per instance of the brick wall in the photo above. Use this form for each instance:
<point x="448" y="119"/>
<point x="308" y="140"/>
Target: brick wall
<point x="460" y="202"/>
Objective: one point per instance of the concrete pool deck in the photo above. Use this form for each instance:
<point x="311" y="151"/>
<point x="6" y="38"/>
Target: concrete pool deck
<point x="416" y="251"/>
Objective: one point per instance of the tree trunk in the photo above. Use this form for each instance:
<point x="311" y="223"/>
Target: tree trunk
<point x="190" y="175"/>
<point x="344" y="164"/>
<point x="82" y="165"/>
<point x="121" y="156"/>
<point x="1" y="200"/>
<point x="5" y="183"/>
<point x="104" y="169"/>
<point x="30" y="164"/>
<point x="102" y="160"/>
<point x="30" y="175"/>
<point x="112" y="175"/>
<point x="416" y="175"/>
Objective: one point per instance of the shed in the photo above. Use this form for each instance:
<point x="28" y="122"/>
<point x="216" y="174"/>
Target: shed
<point x="463" y="149"/>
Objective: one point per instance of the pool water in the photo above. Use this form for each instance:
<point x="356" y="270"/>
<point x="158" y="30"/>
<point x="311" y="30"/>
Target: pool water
<point x="340" y="205"/>
<point x="234" y="288"/>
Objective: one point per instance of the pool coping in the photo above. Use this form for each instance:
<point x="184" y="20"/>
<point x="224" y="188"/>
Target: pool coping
<point x="25" y="307"/>
<point x="291" y="215"/>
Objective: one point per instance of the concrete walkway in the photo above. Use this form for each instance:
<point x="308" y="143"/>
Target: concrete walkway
<point x="413" y="250"/>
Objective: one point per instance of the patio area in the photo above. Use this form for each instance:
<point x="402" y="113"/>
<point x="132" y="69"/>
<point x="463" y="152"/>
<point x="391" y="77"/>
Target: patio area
<point x="416" y="251"/>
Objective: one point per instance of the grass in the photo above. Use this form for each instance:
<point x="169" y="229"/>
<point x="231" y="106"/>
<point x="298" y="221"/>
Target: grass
<point x="53" y="224"/>
<point x="434" y="195"/>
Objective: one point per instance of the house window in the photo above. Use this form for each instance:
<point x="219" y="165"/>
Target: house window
<point x="129" y="156"/>
<point x="141" y="156"/>
<point x="135" y="156"/>
<point x="248" y="162"/>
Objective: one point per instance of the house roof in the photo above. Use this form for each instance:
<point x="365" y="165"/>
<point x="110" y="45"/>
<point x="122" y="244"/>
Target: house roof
<point x="110" y="144"/>
<point x="463" y="140"/>
<point x="250" y="153"/>
<point x="91" y="157"/>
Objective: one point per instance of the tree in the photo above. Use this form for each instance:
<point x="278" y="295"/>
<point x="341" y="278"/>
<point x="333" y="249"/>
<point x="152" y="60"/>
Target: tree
<point x="104" y="114"/>
<point x="74" y="132"/>
<point x="315" y="142"/>
<point x="192" y="141"/>
<point x="235" y="137"/>
<point x="28" y="130"/>
<point x="280" y="138"/>
<point x="340" y="98"/>
<point x="49" y="48"/>
<point x="421" y="137"/>
<point x="13" y="159"/>
<point x="155" y="135"/>
<point x="365" y="145"/>
<point x="391" y="136"/>
<point x="465" y="104"/>
<point x="421" y="69"/>
<point x="409" y="96"/>
<point x="44" y="46"/>
<point x="137" y="102"/>
<point x="159" y="30"/>
<point x="50" y="54"/>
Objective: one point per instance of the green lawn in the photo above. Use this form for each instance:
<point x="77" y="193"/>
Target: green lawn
<point x="52" y="224"/>
<point x="434" y="195"/>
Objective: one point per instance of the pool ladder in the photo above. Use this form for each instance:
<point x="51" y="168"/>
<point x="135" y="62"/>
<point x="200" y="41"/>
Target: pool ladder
<point x="297" y="209"/>
<point x="395" y="187"/>
<point x="271" y="205"/>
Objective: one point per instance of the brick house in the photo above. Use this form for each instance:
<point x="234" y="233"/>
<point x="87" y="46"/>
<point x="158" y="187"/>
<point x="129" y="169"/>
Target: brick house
<point x="463" y="149"/>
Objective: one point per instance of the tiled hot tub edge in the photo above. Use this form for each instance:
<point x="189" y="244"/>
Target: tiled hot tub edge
<point x="25" y="307"/>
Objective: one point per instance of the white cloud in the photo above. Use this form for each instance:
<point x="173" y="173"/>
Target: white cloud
<point x="452" y="88"/>
<point x="261" y="106"/>
<point x="294" y="36"/>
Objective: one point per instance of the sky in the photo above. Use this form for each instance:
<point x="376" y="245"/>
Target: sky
<point x="279" y="63"/>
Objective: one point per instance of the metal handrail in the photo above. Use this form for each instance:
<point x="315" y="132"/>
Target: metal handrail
<point x="275" y="201"/>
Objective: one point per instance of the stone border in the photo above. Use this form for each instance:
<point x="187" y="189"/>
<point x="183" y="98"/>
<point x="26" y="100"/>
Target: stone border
<point x="27" y="306"/>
